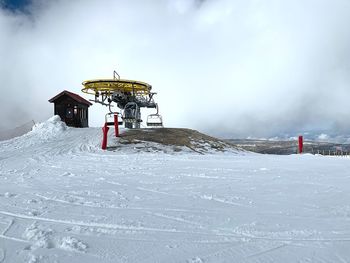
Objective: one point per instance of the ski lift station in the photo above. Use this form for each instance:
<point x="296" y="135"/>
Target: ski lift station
<point x="127" y="95"/>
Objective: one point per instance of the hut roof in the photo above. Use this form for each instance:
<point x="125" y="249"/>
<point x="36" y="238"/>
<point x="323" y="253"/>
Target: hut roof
<point x="73" y="96"/>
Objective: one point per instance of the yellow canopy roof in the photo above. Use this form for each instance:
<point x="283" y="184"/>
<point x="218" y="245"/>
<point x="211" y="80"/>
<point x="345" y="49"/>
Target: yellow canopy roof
<point x="111" y="85"/>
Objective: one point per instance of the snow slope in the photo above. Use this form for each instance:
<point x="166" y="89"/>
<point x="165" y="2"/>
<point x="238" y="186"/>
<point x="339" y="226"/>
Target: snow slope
<point x="62" y="199"/>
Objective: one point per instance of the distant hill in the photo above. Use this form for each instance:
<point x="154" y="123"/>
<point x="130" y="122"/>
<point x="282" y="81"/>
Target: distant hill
<point x="15" y="132"/>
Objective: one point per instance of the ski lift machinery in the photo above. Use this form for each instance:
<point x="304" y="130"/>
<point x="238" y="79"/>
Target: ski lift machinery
<point x="128" y="95"/>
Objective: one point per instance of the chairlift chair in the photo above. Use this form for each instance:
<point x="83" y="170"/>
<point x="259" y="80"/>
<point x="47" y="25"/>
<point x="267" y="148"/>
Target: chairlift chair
<point x="110" y="121"/>
<point x="155" y="119"/>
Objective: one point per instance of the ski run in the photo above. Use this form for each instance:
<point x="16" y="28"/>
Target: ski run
<point x="63" y="199"/>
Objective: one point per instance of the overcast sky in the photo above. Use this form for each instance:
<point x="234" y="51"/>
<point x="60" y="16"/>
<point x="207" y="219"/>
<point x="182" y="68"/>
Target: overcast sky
<point x="226" y="67"/>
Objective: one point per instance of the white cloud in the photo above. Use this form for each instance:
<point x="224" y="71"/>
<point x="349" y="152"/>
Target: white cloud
<point x="234" y="67"/>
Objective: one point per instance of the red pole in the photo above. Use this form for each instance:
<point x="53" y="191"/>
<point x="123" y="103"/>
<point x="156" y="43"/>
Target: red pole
<point x="116" y="125"/>
<point x="104" y="140"/>
<point x="300" y="144"/>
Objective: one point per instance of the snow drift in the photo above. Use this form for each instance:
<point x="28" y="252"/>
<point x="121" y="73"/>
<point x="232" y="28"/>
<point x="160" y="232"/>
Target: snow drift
<point x="49" y="129"/>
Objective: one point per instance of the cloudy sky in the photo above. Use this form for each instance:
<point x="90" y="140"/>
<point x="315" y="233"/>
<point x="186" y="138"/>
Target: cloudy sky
<point x="226" y="67"/>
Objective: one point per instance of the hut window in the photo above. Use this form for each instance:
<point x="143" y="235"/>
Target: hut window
<point x="69" y="113"/>
<point x="75" y="110"/>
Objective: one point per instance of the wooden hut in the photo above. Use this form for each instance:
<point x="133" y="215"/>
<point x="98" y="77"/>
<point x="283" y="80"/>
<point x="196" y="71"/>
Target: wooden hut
<point x="72" y="109"/>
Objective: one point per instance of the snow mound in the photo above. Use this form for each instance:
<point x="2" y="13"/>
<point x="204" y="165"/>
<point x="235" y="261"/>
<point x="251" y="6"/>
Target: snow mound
<point x="39" y="237"/>
<point x="50" y="128"/>
<point x="54" y="138"/>
<point x="72" y="244"/>
<point x="195" y="260"/>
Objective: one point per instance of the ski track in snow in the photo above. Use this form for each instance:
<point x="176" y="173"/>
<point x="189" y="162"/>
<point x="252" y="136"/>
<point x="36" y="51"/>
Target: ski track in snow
<point x="62" y="199"/>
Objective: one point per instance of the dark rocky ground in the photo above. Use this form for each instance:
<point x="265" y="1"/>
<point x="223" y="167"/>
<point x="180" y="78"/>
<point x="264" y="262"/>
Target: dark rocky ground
<point x="177" y="138"/>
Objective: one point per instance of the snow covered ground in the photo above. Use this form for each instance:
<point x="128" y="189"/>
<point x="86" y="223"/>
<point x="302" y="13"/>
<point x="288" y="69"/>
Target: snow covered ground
<point x="62" y="199"/>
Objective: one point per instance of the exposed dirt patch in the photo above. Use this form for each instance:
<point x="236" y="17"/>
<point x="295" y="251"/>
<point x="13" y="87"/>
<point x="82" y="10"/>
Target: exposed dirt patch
<point x="178" y="139"/>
